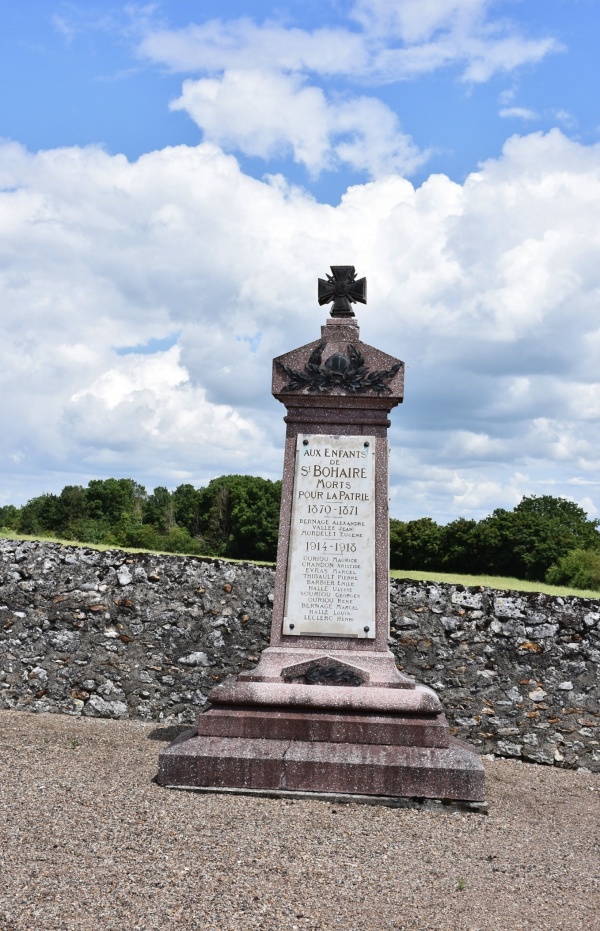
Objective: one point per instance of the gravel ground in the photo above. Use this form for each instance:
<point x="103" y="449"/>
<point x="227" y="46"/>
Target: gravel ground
<point x="88" y="841"/>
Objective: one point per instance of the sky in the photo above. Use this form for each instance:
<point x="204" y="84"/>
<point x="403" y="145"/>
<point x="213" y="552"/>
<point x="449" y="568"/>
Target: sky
<point x="176" y="175"/>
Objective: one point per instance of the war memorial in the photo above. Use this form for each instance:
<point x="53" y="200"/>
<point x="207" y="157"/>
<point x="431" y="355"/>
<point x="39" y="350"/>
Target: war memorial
<point x="326" y="709"/>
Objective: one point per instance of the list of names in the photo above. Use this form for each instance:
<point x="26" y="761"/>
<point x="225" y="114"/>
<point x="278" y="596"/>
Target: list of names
<point x="331" y="562"/>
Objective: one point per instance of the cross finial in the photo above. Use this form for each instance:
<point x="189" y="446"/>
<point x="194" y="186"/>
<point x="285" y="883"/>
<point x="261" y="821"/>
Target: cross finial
<point x="343" y="289"/>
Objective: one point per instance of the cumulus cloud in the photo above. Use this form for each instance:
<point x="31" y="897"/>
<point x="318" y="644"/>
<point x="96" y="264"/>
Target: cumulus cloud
<point x="438" y="33"/>
<point x="261" y="90"/>
<point x="260" y="87"/>
<point x="418" y="20"/>
<point x="396" y="41"/>
<point x="147" y="405"/>
<point x="488" y="290"/>
<point x="518" y="113"/>
<point x="267" y="114"/>
<point x="240" y="44"/>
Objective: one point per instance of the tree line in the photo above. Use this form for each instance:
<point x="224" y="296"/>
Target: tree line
<point x="237" y="516"/>
<point x="542" y="539"/>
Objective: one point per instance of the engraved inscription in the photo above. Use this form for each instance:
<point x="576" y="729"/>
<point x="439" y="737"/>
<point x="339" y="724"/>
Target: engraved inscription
<point x="331" y="562"/>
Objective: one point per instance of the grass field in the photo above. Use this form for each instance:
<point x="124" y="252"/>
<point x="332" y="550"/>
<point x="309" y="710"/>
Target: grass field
<point x="10" y="535"/>
<point x="493" y="581"/>
<point x="486" y="581"/>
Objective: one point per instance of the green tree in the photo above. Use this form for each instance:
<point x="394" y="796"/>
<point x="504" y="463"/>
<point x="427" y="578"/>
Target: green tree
<point x="129" y="531"/>
<point x="10" y="517"/>
<point x="459" y="547"/>
<point x="159" y="510"/>
<point x="72" y="507"/>
<point x="39" y="515"/>
<point x="521" y="543"/>
<point x="86" y="530"/>
<point x="113" y="498"/>
<point x="64" y="515"/>
<point x="396" y="543"/>
<point x="525" y="542"/>
<point x="415" y="544"/>
<point x="179" y="540"/>
<point x="240" y="516"/>
<point x="567" y="515"/>
<point x="187" y="505"/>
<point x="578" y="569"/>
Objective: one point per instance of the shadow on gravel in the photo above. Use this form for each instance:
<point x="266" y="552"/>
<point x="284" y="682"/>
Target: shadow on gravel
<point x="168" y="733"/>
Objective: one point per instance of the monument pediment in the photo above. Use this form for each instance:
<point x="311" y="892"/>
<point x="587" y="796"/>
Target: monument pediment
<point x="338" y="364"/>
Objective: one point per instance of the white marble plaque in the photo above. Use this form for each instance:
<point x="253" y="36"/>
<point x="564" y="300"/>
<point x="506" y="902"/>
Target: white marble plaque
<point x="330" y="588"/>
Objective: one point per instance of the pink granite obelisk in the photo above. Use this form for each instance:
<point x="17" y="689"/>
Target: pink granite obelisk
<point x="326" y="709"/>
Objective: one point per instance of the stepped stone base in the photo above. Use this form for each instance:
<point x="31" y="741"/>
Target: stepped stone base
<point x="354" y="728"/>
<point x="320" y="752"/>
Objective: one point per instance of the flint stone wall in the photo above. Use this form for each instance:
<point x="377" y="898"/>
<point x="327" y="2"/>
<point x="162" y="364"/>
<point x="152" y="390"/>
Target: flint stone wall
<point x="114" y="634"/>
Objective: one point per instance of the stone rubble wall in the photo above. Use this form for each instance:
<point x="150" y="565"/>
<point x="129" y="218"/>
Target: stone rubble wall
<point x="517" y="672"/>
<point x="115" y="634"/>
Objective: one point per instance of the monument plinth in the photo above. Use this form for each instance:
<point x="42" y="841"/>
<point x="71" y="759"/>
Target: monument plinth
<point x="326" y="709"/>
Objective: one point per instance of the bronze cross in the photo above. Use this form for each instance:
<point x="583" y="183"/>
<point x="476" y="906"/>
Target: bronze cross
<point x="343" y="289"/>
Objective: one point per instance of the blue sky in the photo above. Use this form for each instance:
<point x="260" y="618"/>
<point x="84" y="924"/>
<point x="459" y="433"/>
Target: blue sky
<point x="79" y="74"/>
<point x="174" y="177"/>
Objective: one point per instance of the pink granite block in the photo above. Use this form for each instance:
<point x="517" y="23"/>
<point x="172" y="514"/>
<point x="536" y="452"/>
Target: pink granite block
<point x="283" y="724"/>
<point x="364" y="769"/>
<point x="418" y="700"/>
<point x="376" y="667"/>
<point x="218" y="761"/>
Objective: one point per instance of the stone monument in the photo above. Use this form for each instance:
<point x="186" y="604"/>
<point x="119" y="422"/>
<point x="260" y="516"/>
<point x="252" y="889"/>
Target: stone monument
<point x="326" y="710"/>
